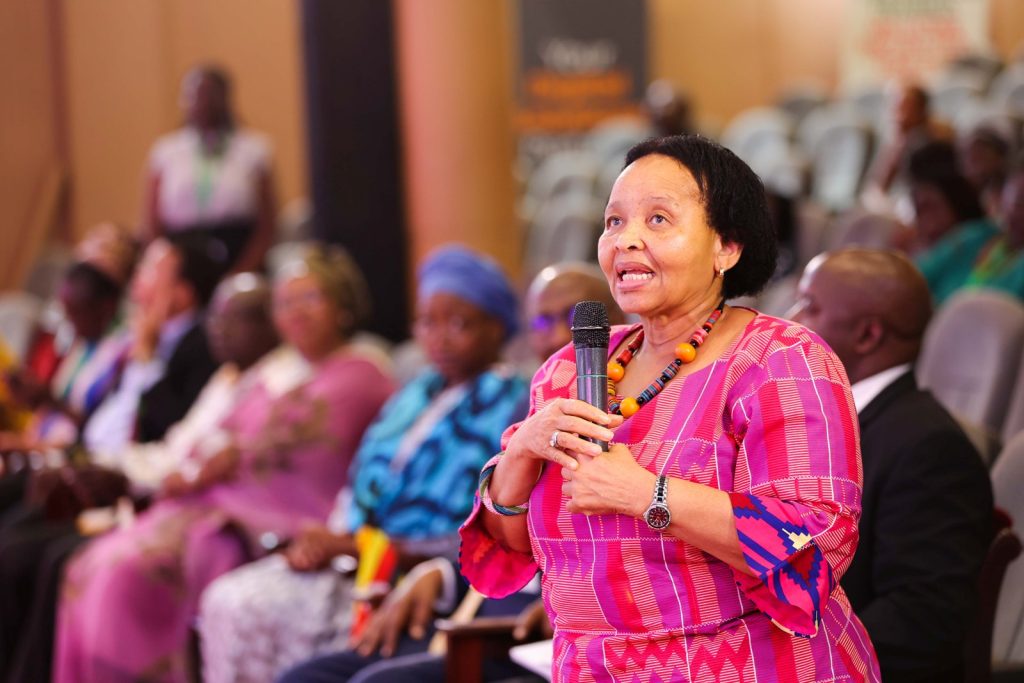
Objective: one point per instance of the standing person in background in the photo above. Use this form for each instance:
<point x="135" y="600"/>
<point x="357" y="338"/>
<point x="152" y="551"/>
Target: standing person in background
<point x="210" y="181"/>
<point x="912" y="127"/>
<point x="926" y="519"/>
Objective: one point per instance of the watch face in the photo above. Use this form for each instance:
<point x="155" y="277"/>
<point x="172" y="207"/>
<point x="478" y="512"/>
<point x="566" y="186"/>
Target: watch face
<point x="658" y="517"/>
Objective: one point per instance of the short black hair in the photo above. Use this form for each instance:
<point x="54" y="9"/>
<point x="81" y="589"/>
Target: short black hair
<point x="957" y="191"/>
<point x="734" y="201"/>
<point x="931" y="159"/>
<point x="92" y="283"/>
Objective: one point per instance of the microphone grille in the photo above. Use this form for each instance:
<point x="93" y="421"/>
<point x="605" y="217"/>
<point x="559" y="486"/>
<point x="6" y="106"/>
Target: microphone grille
<point x="590" y="328"/>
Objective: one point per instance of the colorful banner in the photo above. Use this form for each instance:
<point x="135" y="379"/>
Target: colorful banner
<point x="909" y="39"/>
<point x="579" y="62"/>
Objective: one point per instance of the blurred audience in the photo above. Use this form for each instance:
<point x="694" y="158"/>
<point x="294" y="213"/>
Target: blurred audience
<point x="241" y="333"/>
<point x="413" y="478"/>
<point x="400" y="644"/>
<point x="210" y="181"/>
<point x="399" y="632"/>
<point x="910" y="126"/>
<point x="984" y="160"/>
<point x="280" y="455"/>
<point x="87" y="366"/>
<point x="944" y="201"/>
<point x="926" y="519"/>
<point x="980" y="254"/>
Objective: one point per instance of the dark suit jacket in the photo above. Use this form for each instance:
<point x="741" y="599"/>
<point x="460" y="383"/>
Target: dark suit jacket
<point x="167" y="401"/>
<point x="924" y="531"/>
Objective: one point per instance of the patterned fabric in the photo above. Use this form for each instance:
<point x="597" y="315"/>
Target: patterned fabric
<point x="429" y="493"/>
<point x="130" y="597"/>
<point x="414" y="475"/>
<point x="261" y="618"/>
<point x="772" y="422"/>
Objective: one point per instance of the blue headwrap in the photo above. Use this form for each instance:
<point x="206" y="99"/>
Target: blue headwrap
<point x="474" y="277"/>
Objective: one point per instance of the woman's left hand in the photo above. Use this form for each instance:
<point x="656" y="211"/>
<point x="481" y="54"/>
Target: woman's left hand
<point x="610" y="483"/>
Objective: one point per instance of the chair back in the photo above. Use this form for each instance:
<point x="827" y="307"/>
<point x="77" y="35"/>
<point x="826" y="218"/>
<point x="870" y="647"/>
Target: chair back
<point x="1004" y="549"/>
<point x="1007" y="486"/>
<point x="761" y="137"/>
<point x="1013" y="423"/>
<point x="989" y="326"/>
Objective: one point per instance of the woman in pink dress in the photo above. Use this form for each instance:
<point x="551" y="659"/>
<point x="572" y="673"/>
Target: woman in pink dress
<point x="708" y="542"/>
<point x="129" y="599"/>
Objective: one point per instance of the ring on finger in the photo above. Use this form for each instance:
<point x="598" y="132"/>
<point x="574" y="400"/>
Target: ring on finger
<point x="553" y="441"/>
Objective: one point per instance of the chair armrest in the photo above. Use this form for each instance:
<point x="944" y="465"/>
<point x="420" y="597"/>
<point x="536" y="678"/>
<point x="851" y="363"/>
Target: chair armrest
<point x="479" y="627"/>
<point x="472" y="642"/>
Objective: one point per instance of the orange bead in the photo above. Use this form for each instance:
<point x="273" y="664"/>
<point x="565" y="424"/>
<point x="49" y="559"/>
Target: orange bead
<point x="629" y="406"/>
<point x="685" y="352"/>
<point x="615" y="371"/>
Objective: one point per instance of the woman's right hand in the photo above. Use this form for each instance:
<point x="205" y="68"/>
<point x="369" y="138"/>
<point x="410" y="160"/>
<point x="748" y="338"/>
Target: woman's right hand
<point x="571" y="419"/>
<point x="552" y="434"/>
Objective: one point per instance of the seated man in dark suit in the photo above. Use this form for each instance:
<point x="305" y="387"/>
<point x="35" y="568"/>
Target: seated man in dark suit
<point x="168" y="365"/>
<point x="927" y="508"/>
<point x="169" y="362"/>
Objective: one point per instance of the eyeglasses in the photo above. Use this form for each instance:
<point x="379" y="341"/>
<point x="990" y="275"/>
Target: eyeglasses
<point x="308" y="299"/>
<point x="454" y="325"/>
<point x="545" y="322"/>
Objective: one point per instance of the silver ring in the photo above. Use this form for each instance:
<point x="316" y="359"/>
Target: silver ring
<point x="553" y="441"/>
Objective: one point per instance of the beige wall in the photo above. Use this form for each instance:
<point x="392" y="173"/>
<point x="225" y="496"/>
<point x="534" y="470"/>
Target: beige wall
<point x="123" y="59"/>
<point x="455" y="94"/>
<point x="124" y="62"/>
<point x="28" y="145"/>
<point x="737" y="54"/>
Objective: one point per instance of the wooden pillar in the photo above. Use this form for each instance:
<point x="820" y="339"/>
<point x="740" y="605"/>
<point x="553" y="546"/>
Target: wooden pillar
<point x="454" y="73"/>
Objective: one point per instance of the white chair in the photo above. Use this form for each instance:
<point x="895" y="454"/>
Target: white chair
<point x="560" y="174"/>
<point x="565" y="229"/>
<point x="19" y="315"/>
<point x="1007" y="486"/>
<point x="801" y="100"/>
<point x="761" y="137"/>
<point x="1007" y="89"/>
<point x="951" y="95"/>
<point x="871" y="102"/>
<point x="1013" y="423"/>
<point x="839" y="142"/>
<point x="971" y="355"/>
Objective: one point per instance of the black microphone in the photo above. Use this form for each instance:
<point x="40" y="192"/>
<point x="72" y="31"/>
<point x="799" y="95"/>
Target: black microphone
<point x="590" y="332"/>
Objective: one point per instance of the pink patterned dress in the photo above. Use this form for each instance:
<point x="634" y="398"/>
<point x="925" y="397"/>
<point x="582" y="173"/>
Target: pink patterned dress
<point x="773" y="423"/>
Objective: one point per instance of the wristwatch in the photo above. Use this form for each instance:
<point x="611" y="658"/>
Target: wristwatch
<point x="657" y="514"/>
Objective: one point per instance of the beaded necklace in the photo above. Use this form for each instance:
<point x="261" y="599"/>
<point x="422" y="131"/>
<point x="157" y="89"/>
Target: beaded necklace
<point x="685" y="353"/>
